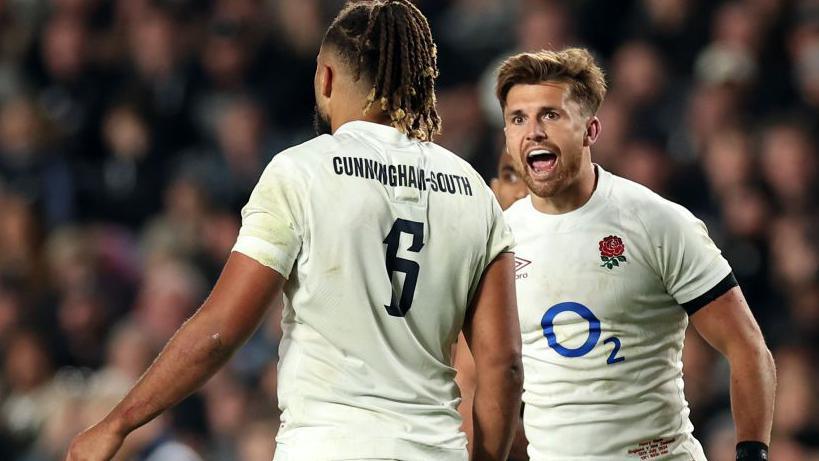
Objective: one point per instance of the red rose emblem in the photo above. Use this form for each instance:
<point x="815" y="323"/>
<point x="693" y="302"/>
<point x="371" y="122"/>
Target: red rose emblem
<point x="611" y="251"/>
<point x="612" y="246"/>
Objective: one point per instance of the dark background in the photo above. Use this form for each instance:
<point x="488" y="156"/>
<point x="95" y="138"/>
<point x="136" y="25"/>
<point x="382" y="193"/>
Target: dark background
<point x="131" y="132"/>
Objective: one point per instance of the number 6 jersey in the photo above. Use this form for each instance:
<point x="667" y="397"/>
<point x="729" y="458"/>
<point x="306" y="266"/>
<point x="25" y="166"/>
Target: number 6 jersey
<point x="603" y="293"/>
<point x="383" y="241"/>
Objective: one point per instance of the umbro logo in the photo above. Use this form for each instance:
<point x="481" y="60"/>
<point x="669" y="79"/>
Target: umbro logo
<point x="520" y="263"/>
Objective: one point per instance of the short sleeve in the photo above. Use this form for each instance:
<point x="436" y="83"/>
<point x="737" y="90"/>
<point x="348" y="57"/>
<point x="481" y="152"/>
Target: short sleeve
<point x="500" y="235"/>
<point x="690" y="263"/>
<point x="273" y="218"/>
<point x="499" y="240"/>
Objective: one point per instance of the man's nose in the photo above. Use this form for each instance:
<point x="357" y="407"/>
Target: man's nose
<point x="535" y="132"/>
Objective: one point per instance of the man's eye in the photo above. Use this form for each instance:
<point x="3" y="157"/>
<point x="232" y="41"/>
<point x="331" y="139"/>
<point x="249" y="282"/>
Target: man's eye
<point x="551" y="115"/>
<point x="517" y="119"/>
<point x="510" y="177"/>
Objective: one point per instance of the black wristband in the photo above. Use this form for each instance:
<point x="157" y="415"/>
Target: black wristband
<point x="752" y="451"/>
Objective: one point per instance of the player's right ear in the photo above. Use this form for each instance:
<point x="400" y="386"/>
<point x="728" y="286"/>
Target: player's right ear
<point x="325" y="80"/>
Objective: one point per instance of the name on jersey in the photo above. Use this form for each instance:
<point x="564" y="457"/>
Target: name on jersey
<point x="402" y="175"/>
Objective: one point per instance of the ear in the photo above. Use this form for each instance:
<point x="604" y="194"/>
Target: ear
<point x="326" y="75"/>
<point x="593" y="129"/>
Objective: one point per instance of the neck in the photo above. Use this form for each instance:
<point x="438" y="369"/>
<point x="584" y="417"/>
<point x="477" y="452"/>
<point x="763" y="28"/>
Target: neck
<point x="352" y="111"/>
<point x="572" y="197"/>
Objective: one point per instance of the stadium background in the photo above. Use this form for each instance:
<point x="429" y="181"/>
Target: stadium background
<point x="131" y="132"/>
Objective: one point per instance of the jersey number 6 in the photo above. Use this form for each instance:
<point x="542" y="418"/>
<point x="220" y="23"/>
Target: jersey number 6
<point x="402" y="298"/>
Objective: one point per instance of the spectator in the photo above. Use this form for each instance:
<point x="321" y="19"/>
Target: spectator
<point x="29" y="164"/>
<point x="124" y="186"/>
<point x="28" y="395"/>
<point x="171" y="290"/>
<point x="789" y="166"/>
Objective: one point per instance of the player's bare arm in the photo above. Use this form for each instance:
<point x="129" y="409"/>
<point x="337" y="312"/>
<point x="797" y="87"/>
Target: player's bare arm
<point x="493" y="333"/>
<point x="198" y="349"/>
<point x="465" y="367"/>
<point x="519" y="442"/>
<point x="729" y="326"/>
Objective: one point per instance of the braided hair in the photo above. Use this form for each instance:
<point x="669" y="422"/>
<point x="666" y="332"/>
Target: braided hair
<point x="389" y="43"/>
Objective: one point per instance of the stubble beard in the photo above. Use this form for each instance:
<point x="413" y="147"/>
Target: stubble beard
<point x="321" y="123"/>
<point x="563" y="177"/>
<point x="543" y="189"/>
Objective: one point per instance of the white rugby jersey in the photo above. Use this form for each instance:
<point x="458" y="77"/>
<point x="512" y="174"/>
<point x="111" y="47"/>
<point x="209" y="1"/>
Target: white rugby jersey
<point x="383" y="241"/>
<point x="602" y="295"/>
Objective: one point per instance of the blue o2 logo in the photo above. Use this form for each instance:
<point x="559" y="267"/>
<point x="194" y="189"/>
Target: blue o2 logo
<point x="549" y="329"/>
<point x="547" y="323"/>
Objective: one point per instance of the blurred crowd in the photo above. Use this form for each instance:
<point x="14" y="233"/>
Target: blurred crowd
<point x="132" y="131"/>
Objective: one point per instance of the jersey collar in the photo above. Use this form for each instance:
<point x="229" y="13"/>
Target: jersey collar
<point x="569" y="221"/>
<point x="376" y="130"/>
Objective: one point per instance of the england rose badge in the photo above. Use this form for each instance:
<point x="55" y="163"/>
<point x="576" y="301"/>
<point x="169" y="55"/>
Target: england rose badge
<point x="611" y="252"/>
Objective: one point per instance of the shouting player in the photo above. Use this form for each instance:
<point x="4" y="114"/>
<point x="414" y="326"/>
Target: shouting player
<point x="385" y="246"/>
<point x="608" y="276"/>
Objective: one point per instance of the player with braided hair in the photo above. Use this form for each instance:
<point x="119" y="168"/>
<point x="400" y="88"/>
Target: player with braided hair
<point x="389" y="46"/>
<point x="385" y="246"/>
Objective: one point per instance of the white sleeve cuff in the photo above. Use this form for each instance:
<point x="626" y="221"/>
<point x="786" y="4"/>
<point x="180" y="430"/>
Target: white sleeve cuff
<point x="265" y="253"/>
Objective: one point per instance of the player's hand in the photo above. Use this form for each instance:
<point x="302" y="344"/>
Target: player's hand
<point x="97" y="443"/>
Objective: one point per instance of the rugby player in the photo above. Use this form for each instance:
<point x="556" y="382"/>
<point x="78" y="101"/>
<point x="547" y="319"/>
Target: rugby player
<point x="609" y="275"/>
<point x="385" y="246"/>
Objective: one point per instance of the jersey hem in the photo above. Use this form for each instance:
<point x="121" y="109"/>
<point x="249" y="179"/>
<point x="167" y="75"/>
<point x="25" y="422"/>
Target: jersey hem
<point x="348" y="447"/>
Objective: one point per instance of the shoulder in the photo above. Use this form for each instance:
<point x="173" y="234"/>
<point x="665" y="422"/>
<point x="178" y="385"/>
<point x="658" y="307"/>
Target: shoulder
<point x="652" y="210"/>
<point x="307" y="151"/>
<point x="445" y="161"/>
<point x="448" y="157"/>
<point x="299" y="161"/>
<point x="293" y="168"/>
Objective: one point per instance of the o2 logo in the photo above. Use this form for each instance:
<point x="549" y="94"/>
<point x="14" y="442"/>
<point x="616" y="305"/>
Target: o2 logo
<point x="547" y="322"/>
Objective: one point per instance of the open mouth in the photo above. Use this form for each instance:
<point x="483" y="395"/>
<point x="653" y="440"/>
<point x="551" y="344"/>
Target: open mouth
<point x="541" y="160"/>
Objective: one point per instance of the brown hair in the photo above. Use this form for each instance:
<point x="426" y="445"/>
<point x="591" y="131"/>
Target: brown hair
<point x="390" y="44"/>
<point x="575" y="66"/>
